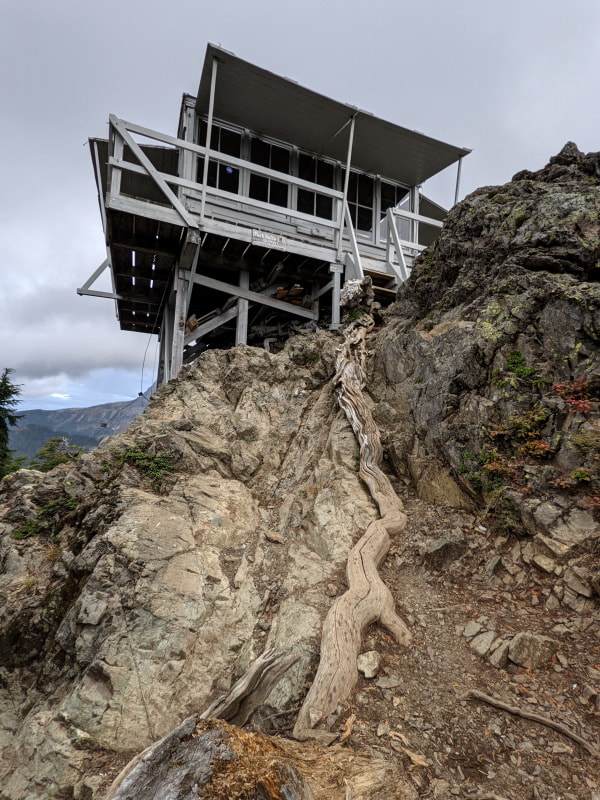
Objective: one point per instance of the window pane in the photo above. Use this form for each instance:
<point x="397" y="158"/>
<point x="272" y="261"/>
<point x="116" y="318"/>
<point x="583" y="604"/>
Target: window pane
<point x="279" y="193"/>
<point x="325" y="174"/>
<point x="352" y="184"/>
<point x="280" y="159"/>
<point x="259" y="188"/>
<point x="307" y="168"/>
<point x="260" y="152"/>
<point x="324" y="206"/>
<point x="306" y="201"/>
<point x="201" y="132"/>
<point x="388" y="196"/>
<point x="365" y="219"/>
<point x="212" y="174"/>
<point x="214" y="137"/>
<point x="365" y="190"/>
<point x="352" y="210"/>
<point x="228" y="178"/>
<point x="230" y="142"/>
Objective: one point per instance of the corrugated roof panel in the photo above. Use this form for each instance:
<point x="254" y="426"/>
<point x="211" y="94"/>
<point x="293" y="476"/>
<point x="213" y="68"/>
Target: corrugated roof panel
<point x="252" y="97"/>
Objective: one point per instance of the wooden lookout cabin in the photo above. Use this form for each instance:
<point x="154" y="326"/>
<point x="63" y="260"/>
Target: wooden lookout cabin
<point x="269" y="197"/>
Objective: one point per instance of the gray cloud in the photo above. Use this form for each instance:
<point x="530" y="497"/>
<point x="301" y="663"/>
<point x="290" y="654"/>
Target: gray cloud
<point x="512" y="80"/>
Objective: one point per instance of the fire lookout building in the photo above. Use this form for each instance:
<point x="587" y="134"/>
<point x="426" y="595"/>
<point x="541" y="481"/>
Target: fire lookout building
<point x="269" y="197"/>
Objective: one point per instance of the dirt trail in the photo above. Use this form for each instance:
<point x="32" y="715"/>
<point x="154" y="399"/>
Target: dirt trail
<point x="413" y="708"/>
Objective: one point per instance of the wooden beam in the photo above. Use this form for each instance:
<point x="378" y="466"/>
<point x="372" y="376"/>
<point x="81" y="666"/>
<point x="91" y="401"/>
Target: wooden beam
<point x="241" y="330"/>
<point x="209" y="125"/>
<point x="143" y="208"/>
<point x="346" y="181"/>
<point x="178" y="326"/>
<point x="152" y="171"/>
<point x="211" y="324"/>
<point x="255" y="297"/>
<point x="92" y="279"/>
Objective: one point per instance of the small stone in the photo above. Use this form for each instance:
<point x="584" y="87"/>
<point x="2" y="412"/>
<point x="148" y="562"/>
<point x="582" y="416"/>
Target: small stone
<point x="368" y="663"/>
<point x="552" y="603"/>
<point x="331" y="590"/>
<point x="575" y="580"/>
<point x="482" y="642"/>
<point x="443" y="551"/>
<point x="388" y="682"/>
<point x="593" y="673"/>
<point x="383" y="729"/>
<point x="471" y="629"/>
<point x="530" y="650"/>
<point x="559" y="748"/>
<point x="492" y="565"/>
<point x="544" y="563"/>
<point x="587" y="693"/>
<point x="499" y="658"/>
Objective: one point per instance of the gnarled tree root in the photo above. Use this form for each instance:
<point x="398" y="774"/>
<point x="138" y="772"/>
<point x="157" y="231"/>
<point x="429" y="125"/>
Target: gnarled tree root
<point x="368" y="599"/>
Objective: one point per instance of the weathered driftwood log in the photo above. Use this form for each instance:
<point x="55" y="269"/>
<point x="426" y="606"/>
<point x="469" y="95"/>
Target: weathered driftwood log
<point x="184" y="758"/>
<point x="252" y="689"/>
<point x="368" y="599"/>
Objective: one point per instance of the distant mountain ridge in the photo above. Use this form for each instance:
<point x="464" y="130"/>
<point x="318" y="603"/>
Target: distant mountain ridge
<point x="84" y="427"/>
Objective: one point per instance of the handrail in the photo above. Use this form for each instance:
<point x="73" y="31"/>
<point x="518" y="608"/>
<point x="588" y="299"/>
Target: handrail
<point x="403" y="273"/>
<point x="400" y="212"/>
<point x="341" y="211"/>
<point x="353" y="243"/>
<point x="216" y="155"/>
<point x="129" y="166"/>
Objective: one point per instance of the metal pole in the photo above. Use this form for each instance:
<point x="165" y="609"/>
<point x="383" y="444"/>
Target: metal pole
<point x="211" y="106"/>
<point x="346" y="180"/>
<point x="458" y="169"/>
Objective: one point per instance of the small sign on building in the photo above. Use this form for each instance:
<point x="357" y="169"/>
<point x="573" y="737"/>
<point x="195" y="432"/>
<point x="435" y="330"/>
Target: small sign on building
<point x="270" y="240"/>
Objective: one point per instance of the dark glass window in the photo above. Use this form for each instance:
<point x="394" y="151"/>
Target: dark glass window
<point x="228" y="142"/>
<point x="260" y="152"/>
<point x="316" y="171"/>
<point x="391" y="196"/>
<point x="220" y="176"/>
<point x="259" y="188"/>
<point x="360" y="200"/>
<point x="277" y="158"/>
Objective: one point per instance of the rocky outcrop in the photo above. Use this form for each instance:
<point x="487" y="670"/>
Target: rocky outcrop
<point x="488" y="373"/>
<point x="141" y="582"/>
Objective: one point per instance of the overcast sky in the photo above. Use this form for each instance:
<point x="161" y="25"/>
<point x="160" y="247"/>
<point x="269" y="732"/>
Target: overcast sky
<point x="512" y="80"/>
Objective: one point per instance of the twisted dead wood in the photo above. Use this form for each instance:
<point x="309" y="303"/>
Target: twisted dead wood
<point x="368" y="599"/>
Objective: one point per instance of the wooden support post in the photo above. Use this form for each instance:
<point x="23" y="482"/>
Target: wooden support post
<point x="414" y="207"/>
<point x="345" y="197"/>
<point x="336" y="270"/>
<point x="160" y="374"/>
<point x="458" y="171"/>
<point x="178" y="326"/>
<point x="166" y="343"/>
<point x="209" y="123"/>
<point x="241" y="330"/>
<point x="187" y="158"/>
<point x="114" y="188"/>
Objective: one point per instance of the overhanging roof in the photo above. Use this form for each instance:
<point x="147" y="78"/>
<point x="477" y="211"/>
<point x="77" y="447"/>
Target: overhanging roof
<point x="252" y="97"/>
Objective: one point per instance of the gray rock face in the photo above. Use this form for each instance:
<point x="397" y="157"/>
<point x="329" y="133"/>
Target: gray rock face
<point x="150" y="604"/>
<point x="485" y="351"/>
<point x="530" y="650"/>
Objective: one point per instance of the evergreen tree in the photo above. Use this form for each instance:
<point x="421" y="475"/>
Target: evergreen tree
<point x="9" y="398"/>
<point x="55" y="452"/>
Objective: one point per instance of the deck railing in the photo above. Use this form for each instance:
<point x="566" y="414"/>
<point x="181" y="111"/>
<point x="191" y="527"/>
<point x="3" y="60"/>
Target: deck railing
<point x="183" y="200"/>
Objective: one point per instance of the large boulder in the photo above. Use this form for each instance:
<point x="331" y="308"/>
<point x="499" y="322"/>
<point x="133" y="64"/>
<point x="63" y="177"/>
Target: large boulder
<point x="488" y="369"/>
